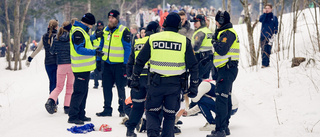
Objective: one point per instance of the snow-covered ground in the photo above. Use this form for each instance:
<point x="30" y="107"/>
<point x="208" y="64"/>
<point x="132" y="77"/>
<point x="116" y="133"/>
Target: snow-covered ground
<point x="264" y="110"/>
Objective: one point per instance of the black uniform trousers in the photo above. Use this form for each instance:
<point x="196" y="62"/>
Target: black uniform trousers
<point x="138" y="100"/>
<point x="113" y="73"/>
<point x="226" y="77"/>
<point x="79" y="95"/>
<point x="162" y="95"/>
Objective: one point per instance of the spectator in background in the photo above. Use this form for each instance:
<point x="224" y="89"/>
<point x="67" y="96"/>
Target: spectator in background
<point x="185" y="25"/>
<point x="269" y="29"/>
<point x="134" y="32"/>
<point x="140" y="19"/>
<point x="128" y="13"/>
<point x="156" y="17"/>
<point x="149" y="16"/>
<point x="159" y="11"/>
<point x="3" y="50"/>
<point x="142" y="32"/>
<point x="163" y="17"/>
<point x="242" y="16"/>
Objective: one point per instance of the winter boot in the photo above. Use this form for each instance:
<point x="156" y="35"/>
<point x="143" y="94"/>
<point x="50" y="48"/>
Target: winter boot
<point x="66" y="109"/>
<point x="130" y="133"/>
<point x="85" y="119"/>
<point x="76" y="121"/>
<point x="142" y="126"/>
<point x="176" y="130"/>
<point x="51" y="106"/>
<point x="217" y="134"/>
<point x="104" y="113"/>
<point x="208" y="127"/>
<point x="227" y="131"/>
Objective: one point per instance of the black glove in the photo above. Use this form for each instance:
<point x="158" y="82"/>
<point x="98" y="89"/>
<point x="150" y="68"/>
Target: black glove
<point x="129" y="80"/>
<point x="98" y="65"/>
<point x="124" y="69"/>
<point x="30" y="59"/>
<point x="99" y="53"/>
<point x="134" y="85"/>
<point x="193" y="89"/>
<point x="99" y="33"/>
<point x="214" y="41"/>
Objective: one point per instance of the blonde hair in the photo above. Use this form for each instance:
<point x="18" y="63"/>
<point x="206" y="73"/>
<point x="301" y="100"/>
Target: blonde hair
<point x="52" y="25"/>
<point x="73" y="20"/>
<point x="61" y="30"/>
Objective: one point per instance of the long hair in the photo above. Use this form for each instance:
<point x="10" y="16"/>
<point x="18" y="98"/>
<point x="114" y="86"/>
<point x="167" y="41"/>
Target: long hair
<point x="52" y="25"/>
<point x="61" y="29"/>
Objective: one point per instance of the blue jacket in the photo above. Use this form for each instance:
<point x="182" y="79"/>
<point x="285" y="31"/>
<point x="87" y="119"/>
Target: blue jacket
<point x="269" y="25"/>
<point x="80" y="49"/>
<point x="126" y="45"/>
<point x="61" y="48"/>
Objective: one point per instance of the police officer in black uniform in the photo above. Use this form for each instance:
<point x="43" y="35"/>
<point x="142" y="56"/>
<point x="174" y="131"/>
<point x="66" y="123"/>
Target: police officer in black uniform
<point x="171" y="56"/>
<point x="138" y="97"/>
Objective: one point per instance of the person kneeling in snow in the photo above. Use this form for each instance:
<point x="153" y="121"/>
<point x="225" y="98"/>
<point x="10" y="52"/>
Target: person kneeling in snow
<point x="205" y="101"/>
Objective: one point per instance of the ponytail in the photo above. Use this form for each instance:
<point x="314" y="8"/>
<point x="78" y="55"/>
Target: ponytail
<point x="52" y="25"/>
<point x="61" y="29"/>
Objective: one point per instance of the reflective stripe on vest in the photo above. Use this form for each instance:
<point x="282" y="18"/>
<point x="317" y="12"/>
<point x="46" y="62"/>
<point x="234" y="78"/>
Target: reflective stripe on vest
<point x="233" y="54"/>
<point x="167" y="53"/>
<point x="81" y="63"/>
<point x="138" y="45"/>
<point x="96" y="42"/>
<point x="206" y="43"/>
<point x="113" y="47"/>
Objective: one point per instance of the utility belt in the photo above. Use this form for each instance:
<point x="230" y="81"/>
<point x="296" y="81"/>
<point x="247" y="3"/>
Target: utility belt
<point x="204" y="55"/>
<point x="230" y="64"/>
<point x="156" y="79"/>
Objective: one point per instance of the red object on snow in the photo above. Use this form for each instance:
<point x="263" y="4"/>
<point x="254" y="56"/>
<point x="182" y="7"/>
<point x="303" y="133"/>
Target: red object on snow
<point x="105" y="128"/>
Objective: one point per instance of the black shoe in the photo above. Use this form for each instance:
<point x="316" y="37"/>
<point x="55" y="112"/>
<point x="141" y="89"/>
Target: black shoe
<point x="66" y="109"/>
<point x="176" y="130"/>
<point x="217" y="134"/>
<point x="227" y="131"/>
<point x="141" y="127"/>
<point x="85" y="119"/>
<point x="103" y="114"/>
<point x="95" y="87"/>
<point x="122" y="114"/>
<point x="130" y="133"/>
<point x="51" y="106"/>
<point x="179" y="122"/>
<point x="76" y="121"/>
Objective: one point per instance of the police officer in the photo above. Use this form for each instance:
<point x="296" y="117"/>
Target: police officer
<point x="139" y="97"/>
<point x="170" y="55"/>
<point x="226" y="44"/>
<point x="116" y="47"/>
<point x="83" y="61"/>
<point x="201" y="42"/>
<point x="98" y="34"/>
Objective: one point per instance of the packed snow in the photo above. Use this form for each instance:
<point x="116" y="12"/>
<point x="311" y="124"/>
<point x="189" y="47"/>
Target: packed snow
<point x="292" y="110"/>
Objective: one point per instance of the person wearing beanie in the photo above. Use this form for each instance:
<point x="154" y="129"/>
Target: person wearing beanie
<point x="83" y="60"/>
<point x="97" y="73"/>
<point x="226" y="57"/>
<point x="170" y="55"/>
<point x="138" y="97"/>
<point x="116" y="46"/>
<point x="201" y="42"/>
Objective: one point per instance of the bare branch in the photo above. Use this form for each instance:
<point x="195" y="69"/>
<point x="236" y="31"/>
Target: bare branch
<point x="24" y="17"/>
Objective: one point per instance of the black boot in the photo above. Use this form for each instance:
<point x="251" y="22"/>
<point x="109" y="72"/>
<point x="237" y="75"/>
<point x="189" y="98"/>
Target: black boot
<point x="176" y="130"/>
<point x="66" y="109"/>
<point x="217" y="134"/>
<point x="76" y="121"/>
<point x="141" y="127"/>
<point x="130" y="133"/>
<point x="51" y="106"/>
<point x="85" y="119"/>
<point x="104" y="113"/>
<point x="227" y="131"/>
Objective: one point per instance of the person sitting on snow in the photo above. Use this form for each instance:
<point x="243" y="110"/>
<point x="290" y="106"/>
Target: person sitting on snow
<point x="205" y="101"/>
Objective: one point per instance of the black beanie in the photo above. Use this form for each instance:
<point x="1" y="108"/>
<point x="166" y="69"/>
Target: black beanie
<point x="114" y="13"/>
<point x="100" y="23"/>
<point x="173" y="20"/>
<point x="226" y="17"/>
<point x="89" y="19"/>
<point x="153" y="26"/>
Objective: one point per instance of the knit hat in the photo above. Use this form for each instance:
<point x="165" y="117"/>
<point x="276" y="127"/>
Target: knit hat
<point x="114" y="13"/>
<point x="100" y="23"/>
<point x="153" y="27"/>
<point x="173" y="20"/>
<point x="199" y="17"/>
<point x="89" y="19"/>
<point x="225" y="15"/>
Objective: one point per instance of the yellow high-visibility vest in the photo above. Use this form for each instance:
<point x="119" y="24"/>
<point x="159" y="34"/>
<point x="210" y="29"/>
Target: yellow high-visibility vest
<point x="206" y="43"/>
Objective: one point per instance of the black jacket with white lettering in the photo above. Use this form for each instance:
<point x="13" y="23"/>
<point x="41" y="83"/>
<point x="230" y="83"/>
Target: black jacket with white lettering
<point x="190" y="59"/>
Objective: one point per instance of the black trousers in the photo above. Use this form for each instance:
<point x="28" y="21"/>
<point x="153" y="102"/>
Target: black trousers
<point x="113" y="74"/>
<point x="79" y="95"/>
<point x="138" y="101"/>
<point x="165" y="96"/>
<point x="226" y="77"/>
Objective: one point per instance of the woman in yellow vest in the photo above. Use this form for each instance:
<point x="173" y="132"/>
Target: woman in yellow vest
<point x="226" y="57"/>
<point x="83" y="60"/>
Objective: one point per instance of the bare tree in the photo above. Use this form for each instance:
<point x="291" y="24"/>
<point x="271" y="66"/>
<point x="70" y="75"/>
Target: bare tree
<point x="8" y="38"/>
<point x="295" y="9"/>
<point x="317" y="28"/>
<point x="254" y="57"/>
<point x="229" y="7"/>
<point x="280" y="26"/>
<point x="125" y="6"/>
<point x="26" y="49"/>
<point x="223" y="5"/>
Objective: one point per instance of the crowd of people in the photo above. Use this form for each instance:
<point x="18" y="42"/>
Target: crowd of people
<point x="165" y="63"/>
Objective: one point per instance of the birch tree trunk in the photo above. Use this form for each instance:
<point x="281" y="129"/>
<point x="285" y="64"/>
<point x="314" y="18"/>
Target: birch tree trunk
<point x="8" y="37"/>
<point x="229" y="7"/>
<point x="223" y="5"/>
<point x="16" y="42"/>
<point x="317" y="28"/>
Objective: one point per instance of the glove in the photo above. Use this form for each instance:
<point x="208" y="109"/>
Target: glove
<point x="99" y="33"/>
<point x="271" y="40"/>
<point x="193" y="89"/>
<point x="124" y="69"/>
<point x="98" y="65"/>
<point x="28" y="61"/>
<point x="129" y="80"/>
<point x="214" y="41"/>
<point x="99" y="53"/>
<point x="134" y="85"/>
